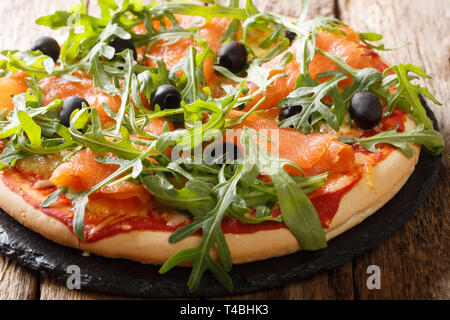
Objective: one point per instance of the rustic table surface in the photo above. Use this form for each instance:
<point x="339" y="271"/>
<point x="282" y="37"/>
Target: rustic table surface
<point x="414" y="262"/>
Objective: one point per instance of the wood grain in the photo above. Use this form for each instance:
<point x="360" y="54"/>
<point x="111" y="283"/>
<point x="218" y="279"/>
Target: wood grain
<point x="292" y="8"/>
<point x="336" y="284"/>
<point x="18" y="17"/>
<point x="415" y="261"/>
<point x="18" y="32"/>
<point x="53" y="290"/>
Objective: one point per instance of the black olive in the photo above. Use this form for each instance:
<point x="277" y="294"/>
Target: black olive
<point x="365" y="109"/>
<point x="290" y="35"/>
<point x="289" y="112"/>
<point x="233" y="56"/>
<point x="70" y="105"/>
<point x="47" y="46"/>
<point x="167" y="97"/>
<point x="122" y="44"/>
<point x="221" y="153"/>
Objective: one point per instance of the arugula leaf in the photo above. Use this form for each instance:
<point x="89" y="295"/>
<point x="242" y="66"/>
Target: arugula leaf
<point x="207" y="192"/>
<point x="363" y="81"/>
<point x="233" y="27"/>
<point x="53" y="197"/>
<point x="432" y="140"/>
<point x="305" y="30"/>
<point x="79" y="202"/>
<point x="261" y="76"/>
<point x="129" y="67"/>
<point x="10" y="155"/>
<point x="192" y="78"/>
<point x="32" y="130"/>
<point x="210" y="223"/>
<point x="195" y="196"/>
<point x="199" y="132"/>
<point x="278" y="49"/>
<point x="33" y="63"/>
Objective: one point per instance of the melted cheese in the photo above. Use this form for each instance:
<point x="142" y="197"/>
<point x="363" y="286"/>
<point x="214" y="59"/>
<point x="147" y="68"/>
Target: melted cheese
<point x="42" y="166"/>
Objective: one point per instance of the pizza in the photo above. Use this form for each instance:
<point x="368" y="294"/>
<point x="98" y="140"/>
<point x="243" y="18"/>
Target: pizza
<point x="204" y="135"/>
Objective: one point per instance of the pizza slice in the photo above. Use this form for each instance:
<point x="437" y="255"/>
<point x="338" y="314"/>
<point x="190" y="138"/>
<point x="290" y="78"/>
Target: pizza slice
<point x="204" y="136"/>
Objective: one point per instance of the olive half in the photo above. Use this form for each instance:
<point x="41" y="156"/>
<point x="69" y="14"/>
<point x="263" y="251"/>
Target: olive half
<point x="70" y="105"/>
<point x="48" y="46"/>
<point x="233" y="56"/>
<point x="365" y="109"/>
<point x="167" y="97"/>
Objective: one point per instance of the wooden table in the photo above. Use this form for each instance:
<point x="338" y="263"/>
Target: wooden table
<point x="414" y="262"/>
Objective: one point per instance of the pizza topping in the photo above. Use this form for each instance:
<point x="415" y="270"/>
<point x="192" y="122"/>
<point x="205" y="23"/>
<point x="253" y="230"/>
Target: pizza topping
<point x="41" y="166"/>
<point x="233" y="56"/>
<point x="11" y="86"/>
<point x="191" y="59"/>
<point x="365" y="109"/>
<point x="290" y="35"/>
<point x="221" y="153"/>
<point x="314" y="153"/>
<point x="69" y="106"/>
<point x="289" y="112"/>
<point x="48" y="46"/>
<point x="121" y="45"/>
<point x="166" y="97"/>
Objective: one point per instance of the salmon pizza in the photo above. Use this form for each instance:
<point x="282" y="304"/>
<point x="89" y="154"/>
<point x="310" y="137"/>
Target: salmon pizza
<point x="204" y="135"/>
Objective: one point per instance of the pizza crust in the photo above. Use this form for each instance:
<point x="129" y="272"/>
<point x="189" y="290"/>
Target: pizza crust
<point x="152" y="247"/>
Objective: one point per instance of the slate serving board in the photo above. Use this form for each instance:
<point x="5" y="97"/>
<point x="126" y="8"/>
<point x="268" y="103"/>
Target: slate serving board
<point x="129" y="278"/>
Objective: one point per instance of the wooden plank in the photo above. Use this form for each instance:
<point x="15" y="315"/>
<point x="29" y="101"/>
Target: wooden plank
<point x="53" y="290"/>
<point x="18" y="31"/>
<point x="415" y="261"/>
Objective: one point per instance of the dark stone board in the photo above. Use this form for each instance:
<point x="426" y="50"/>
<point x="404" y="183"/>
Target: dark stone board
<point x="122" y="277"/>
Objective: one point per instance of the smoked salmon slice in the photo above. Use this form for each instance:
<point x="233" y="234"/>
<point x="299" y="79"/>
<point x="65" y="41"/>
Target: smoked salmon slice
<point x="314" y="153"/>
<point x="56" y="87"/>
<point x="172" y="53"/>
<point x="82" y="172"/>
<point x="62" y="89"/>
